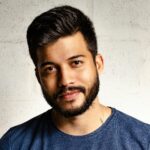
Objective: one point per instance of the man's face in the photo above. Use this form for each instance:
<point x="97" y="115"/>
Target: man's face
<point x="68" y="75"/>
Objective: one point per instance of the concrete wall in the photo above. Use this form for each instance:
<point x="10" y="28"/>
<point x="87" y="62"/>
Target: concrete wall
<point x="123" y="30"/>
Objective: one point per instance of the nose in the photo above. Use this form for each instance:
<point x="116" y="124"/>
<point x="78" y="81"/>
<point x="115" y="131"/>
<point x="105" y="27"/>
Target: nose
<point x="65" y="77"/>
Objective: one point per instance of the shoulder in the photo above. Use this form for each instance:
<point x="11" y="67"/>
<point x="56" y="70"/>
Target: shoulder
<point x="127" y="121"/>
<point x="131" y="129"/>
<point x="36" y="122"/>
<point x="27" y="129"/>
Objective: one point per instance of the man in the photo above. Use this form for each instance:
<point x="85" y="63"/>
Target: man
<point x="62" y="44"/>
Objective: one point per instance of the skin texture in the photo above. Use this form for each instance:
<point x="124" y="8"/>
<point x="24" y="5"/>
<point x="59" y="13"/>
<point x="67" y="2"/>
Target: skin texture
<point x="68" y="63"/>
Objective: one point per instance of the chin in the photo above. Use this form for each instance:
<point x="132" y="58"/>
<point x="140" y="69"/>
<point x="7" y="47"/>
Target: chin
<point x="72" y="111"/>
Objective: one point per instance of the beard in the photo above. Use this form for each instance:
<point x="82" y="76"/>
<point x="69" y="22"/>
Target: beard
<point x="90" y="96"/>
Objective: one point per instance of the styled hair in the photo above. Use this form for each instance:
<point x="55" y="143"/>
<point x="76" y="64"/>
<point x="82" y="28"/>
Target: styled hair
<point x="59" y="22"/>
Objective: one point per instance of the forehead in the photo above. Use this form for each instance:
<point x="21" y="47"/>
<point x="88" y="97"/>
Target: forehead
<point x="64" y="48"/>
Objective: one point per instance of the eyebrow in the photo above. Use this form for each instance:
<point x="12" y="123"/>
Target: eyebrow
<point x="51" y="63"/>
<point x="46" y="63"/>
<point x="77" y="56"/>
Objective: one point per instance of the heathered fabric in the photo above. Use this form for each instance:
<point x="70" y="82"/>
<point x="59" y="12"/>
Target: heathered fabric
<point x="119" y="132"/>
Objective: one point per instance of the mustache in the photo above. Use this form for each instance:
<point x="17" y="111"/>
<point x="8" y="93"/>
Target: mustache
<point x="62" y="90"/>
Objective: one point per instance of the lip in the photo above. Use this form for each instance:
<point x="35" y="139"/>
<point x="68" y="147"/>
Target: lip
<point x="69" y="96"/>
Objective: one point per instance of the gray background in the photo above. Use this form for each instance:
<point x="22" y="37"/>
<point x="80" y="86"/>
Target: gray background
<point x="123" y="31"/>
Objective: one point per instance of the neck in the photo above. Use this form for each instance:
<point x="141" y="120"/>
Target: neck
<point x="85" y="123"/>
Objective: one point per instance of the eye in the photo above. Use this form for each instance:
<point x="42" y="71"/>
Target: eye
<point x="77" y="63"/>
<point x="50" y="69"/>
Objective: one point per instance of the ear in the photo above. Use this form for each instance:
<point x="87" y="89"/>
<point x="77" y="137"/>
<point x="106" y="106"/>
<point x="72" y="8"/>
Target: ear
<point x="99" y="63"/>
<point x="37" y="75"/>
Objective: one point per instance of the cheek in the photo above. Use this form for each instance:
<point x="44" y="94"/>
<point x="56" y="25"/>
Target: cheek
<point x="87" y="76"/>
<point x="48" y="84"/>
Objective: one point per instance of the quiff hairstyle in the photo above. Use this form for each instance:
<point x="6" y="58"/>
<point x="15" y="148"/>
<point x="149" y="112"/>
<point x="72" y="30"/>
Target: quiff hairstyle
<point x="56" y="23"/>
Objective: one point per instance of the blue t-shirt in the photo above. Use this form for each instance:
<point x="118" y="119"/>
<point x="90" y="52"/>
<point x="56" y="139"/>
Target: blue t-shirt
<point x="119" y="132"/>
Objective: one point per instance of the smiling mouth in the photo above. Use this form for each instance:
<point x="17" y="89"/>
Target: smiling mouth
<point x="70" y="95"/>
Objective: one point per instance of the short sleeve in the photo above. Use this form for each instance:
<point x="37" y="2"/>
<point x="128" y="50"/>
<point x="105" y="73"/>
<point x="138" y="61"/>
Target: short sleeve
<point x="5" y="141"/>
<point x="148" y="147"/>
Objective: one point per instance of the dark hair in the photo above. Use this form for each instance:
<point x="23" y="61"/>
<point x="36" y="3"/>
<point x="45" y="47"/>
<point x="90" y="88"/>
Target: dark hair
<point x="59" y="22"/>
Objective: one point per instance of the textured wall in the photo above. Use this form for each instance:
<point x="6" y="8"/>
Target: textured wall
<point x="123" y="30"/>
